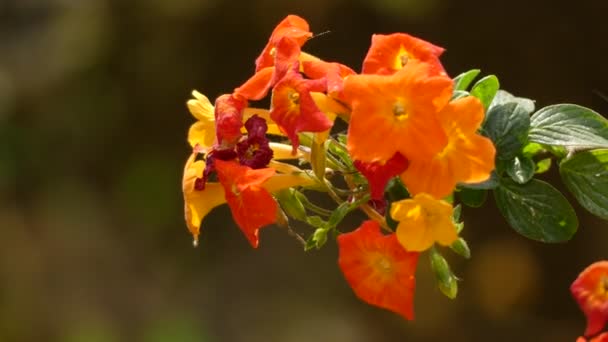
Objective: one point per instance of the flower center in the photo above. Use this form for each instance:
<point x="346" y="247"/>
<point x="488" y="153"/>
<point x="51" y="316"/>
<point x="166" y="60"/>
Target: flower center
<point x="294" y="97"/>
<point x="404" y="59"/>
<point x="399" y="111"/>
<point x="384" y="265"/>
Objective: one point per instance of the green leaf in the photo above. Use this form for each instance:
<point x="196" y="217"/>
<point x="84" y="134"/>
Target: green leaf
<point x="503" y="97"/>
<point x="291" y="204"/>
<point x="532" y="149"/>
<point x="586" y="176"/>
<point x="520" y="169"/>
<point x="536" y="210"/>
<point x="446" y="281"/>
<point x="485" y="89"/>
<point x="507" y="125"/>
<point x="456" y="213"/>
<point x="462" y="81"/>
<point x="459" y="94"/>
<point x="570" y="126"/>
<point x="543" y="166"/>
<point x="461" y="247"/>
<point x="473" y="197"/>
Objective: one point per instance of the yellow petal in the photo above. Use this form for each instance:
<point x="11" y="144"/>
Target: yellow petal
<point x="423" y="220"/>
<point x="202" y="134"/>
<point x="200" y="107"/>
<point x="283" y="151"/>
<point x="198" y="203"/>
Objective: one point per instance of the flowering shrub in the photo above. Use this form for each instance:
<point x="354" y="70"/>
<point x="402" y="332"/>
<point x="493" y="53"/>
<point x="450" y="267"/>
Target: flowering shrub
<point x="419" y="145"/>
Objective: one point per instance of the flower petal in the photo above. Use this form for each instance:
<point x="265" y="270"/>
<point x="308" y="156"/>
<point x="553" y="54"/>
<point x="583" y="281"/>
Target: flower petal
<point x="378" y="269"/>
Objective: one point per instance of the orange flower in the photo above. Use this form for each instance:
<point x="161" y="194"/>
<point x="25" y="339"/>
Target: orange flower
<point x="378" y="269"/>
<point x="286" y="53"/>
<point x="292" y="26"/>
<point x="334" y="74"/>
<point x="390" y="53"/>
<point x="466" y="157"/>
<point x="252" y="206"/>
<point x="396" y="113"/>
<point x="590" y="290"/>
<point x="294" y="110"/>
<point x="423" y="221"/>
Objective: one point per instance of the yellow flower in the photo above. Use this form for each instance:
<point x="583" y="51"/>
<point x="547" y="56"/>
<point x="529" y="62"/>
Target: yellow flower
<point x="423" y="220"/>
<point x="198" y="202"/>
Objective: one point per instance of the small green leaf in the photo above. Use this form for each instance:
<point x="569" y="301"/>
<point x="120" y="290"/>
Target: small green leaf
<point x="320" y="237"/>
<point x="291" y="204"/>
<point x="520" y="169"/>
<point x="532" y="149"/>
<point x="462" y="81"/>
<point x="507" y="125"/>
<point x="456" y="213"/>
<point x="446" y="281"/>
<point x="503" y="97"/>
<point x="543" y="166"/>
<point x="536" y="210"/>
<point x="586" y="176"/>
<point x="459" y="94"/>
<point x="485" y="89"/>
<point x="570" y="126"/>
<point x="461" y="247"/>
<point x="473" y="197"/>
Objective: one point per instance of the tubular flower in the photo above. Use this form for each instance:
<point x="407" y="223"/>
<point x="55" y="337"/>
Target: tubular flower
<point x="391" y="53"/>
<point x="378" y="173"/>
<point x="293" y="108"/>
<point x="423" y="221"/>
<point x="229" y="119"/>
<point x="252" y="206"/>
<point x="201" y="135"/>
<point x="292" y="26"/>
<point x="466" y="157"/>
<point x="600" y="338"/>
<point x="333" y="73"/>
<point x="286" y="53"/>
<point x="198" y="201"/>
<point x="378" y="269"/>
<point x="396" y="113"/>
<point x="590" y="290"/>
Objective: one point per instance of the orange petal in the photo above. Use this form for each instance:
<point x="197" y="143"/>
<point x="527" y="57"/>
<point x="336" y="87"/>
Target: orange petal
<point x="378" y="269"/>
<point x="251" y="205"/>
<point x="391" y="53"/>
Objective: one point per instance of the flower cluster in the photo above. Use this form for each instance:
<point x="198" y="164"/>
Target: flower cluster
<point x="590" y="290"/>
<point x="402" y="124"/>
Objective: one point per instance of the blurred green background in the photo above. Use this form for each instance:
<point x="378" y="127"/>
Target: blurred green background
<point x="93" y="140"/>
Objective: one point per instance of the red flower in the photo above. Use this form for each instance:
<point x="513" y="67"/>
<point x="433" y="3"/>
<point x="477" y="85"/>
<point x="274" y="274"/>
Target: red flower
<point x="390" y="53"/>
<point x="600" y="338"/>
<point x="252" y="206"/>
<point x="293" y="108"/>
<point x="378" y="173"/>
<point x="590" y="290"/>
<point x="378" y="269"/>
<point x="293" y="27"/>
<point x="229" y="119"/>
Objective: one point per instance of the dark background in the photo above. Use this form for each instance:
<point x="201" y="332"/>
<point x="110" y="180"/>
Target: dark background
<point x="93" y="139"/>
